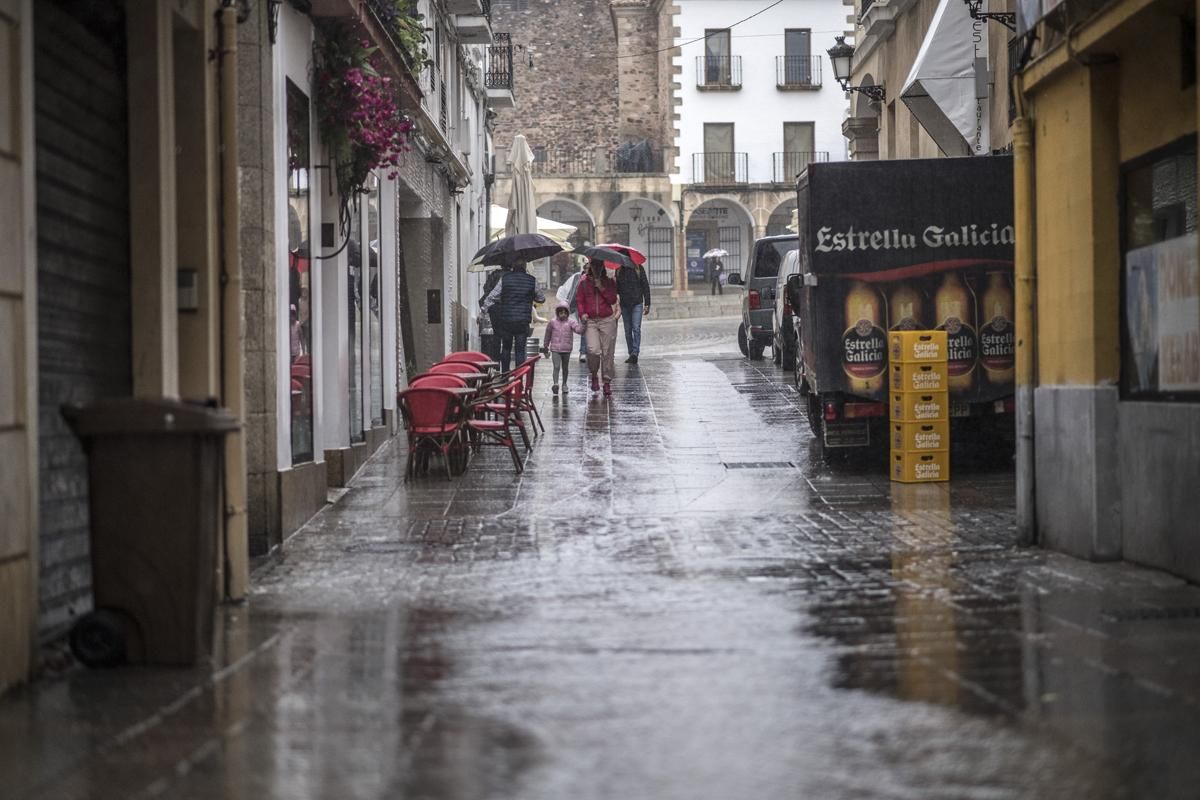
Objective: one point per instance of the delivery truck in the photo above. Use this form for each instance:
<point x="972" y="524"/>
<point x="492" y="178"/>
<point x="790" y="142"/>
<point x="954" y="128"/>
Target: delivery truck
<point x="904" y="245"/>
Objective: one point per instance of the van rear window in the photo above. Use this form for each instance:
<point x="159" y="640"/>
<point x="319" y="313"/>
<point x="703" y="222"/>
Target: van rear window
<point x="769" y="256"/>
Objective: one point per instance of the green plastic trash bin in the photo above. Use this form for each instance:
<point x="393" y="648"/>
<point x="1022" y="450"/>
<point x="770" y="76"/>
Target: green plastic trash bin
<point x="154" y="484"/>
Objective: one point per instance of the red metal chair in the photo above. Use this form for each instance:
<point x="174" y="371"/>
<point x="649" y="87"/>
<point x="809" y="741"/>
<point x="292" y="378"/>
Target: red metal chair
<point x="452" y="368"/>
<point x="434" y="419"/>
<point x="469" y="355"/>
<point x="527" y="404"/>
<point x="497" y="430"/>
<point x="498" y="406"/>
<point x="432" y="380"/>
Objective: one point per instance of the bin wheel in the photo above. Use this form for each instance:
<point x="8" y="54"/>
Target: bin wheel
<point x="98" y="639"/>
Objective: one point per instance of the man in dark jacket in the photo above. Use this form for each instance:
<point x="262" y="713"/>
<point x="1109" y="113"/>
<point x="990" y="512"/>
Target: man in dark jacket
<point x="633" y="288"/>
<point x="511" y="308"/>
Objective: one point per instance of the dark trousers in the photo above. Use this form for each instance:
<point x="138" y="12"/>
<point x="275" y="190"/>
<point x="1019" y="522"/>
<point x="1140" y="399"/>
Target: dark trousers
<point x="716" y="286"/>
<point x="512" y="342"/>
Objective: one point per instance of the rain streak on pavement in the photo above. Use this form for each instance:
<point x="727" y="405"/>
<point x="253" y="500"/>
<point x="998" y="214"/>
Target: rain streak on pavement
<point x="674" y="601"/>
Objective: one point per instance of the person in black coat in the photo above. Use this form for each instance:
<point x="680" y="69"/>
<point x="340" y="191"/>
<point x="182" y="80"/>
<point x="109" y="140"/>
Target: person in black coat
<point x="633" y="288"/>
<point x="510" y="304"/>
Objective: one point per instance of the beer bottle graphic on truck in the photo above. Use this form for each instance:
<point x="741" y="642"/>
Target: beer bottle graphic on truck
<point x="864" y="344"/>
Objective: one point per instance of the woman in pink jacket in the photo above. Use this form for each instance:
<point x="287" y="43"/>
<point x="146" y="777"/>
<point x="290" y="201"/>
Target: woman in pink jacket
<point x="596" y="302"/>
<point x="560" y="341"/>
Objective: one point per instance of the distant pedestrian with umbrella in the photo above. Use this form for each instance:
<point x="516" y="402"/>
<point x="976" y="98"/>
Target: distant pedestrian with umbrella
<point x="596" y="302"/>
<point x="717" y="269"/>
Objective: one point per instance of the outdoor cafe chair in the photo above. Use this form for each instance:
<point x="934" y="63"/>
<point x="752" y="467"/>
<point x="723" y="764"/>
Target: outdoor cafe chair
<point x="496" y="427"/>
<point x="527" y="404"/>
<point x="433" y="380"/>
<point x="452" y="368"/>
<point x="470" y="355"/>
<point x="434" y="419"/>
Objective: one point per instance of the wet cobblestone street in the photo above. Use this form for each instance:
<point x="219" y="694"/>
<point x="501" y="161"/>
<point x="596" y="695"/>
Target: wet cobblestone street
<point x="675" y="600"/>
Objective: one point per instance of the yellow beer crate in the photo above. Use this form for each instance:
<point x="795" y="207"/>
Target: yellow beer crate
<point x="921" y="436"/>
<point x="920" y="467"/>
<point x="918" y="377"/>
<point x="913" y="347"/>
<point x="919" y="406"/>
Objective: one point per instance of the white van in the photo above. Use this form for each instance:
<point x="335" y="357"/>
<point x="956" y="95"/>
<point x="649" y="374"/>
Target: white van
<point x="783" y="344"/>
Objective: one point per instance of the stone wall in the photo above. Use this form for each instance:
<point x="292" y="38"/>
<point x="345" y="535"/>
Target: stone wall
<point x="568" y="99"/>
<point x="644" y="107"/>
<point x="256" y="184"/>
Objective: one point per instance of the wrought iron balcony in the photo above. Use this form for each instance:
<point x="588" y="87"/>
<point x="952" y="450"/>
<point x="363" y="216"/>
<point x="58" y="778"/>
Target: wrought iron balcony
<point x="637" y="158"/>
<point x="798" y="72"/>
<point x="789" y="165"/>
<point x="720" y="169"/>
<point x="499" y="67"/>
<point x="718" y="73"/>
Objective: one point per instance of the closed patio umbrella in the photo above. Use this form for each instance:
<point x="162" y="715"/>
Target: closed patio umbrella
<point x="522" y="207"/>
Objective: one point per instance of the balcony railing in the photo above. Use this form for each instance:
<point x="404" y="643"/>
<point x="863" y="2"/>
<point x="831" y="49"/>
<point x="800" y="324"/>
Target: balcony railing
<point x="719" y="72"/>
<point x="789" y="165"/>
<point x="499" y="68"/>
<point x="637" y="158"/>
<point x="798" y="72"/>
<point x="720" y="169"/>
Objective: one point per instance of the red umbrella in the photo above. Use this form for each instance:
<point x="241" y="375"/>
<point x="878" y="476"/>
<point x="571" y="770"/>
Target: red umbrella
<point x="637" y="255"/>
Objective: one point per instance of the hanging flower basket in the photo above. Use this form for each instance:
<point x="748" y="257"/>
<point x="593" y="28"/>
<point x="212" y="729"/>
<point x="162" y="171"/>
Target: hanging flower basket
<point x="358" y="117"/>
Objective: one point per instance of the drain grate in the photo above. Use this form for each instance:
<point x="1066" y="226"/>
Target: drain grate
<point x="1150" y="614"/>
<point x="758" y="465"/>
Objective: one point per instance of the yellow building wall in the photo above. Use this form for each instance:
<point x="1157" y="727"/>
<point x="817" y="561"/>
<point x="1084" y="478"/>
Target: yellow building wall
<point x="1154" y="109"/>
<point x="1088" y="121"/>
<point x="1064" y="156"/>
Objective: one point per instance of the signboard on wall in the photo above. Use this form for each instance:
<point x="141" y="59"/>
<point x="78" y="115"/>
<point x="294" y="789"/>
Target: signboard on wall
<point x="1162" y="317"/>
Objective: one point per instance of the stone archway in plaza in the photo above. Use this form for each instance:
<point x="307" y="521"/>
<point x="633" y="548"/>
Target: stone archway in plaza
<point x="717" y="222"/>
<point x="780" y="220"/>
<point x="648" y="226"/>
<point x="570" y="212"/>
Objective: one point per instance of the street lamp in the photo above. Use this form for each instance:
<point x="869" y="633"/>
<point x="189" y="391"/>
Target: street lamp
<point x="842" y="55"/>
<point x="1006" y="18"/>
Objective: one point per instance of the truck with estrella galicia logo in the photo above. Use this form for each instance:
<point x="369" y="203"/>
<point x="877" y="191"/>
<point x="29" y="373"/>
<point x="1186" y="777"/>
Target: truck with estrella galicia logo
<point x="918" y="244"/>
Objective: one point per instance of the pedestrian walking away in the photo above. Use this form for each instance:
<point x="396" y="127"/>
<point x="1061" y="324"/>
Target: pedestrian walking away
<point x="491" y="344"/>
<point x="566" y="293"/>
<point x="633" y="288"/>
<point x="718" y="277"/>
<point x="510" y="304"/>
<point x="596" y="301"/>
<point x="559" y="341"/>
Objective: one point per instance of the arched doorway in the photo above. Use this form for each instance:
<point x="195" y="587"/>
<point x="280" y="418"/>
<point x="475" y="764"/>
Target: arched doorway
<point x="718" y="223"/>
<point x="648" y="226"/>
<point x="780" y="220"/>
<point x="562" y="265"/>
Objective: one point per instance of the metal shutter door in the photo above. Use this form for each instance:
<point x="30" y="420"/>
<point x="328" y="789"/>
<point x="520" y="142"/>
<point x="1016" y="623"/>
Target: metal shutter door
<point x="83" y="271"/>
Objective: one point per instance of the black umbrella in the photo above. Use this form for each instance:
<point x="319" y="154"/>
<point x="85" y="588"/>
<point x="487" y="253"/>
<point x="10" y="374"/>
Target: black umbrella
<point x="519" y="248"/>
<point x="613" y="257"/>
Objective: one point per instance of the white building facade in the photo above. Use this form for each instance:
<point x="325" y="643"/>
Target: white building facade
<point x="756" y="102"/>
<point x="346" y="299"/>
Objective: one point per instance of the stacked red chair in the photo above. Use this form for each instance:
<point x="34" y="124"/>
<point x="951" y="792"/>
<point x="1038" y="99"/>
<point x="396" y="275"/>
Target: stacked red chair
<point x="496" y="428"/>
<point x="435" y="420"/>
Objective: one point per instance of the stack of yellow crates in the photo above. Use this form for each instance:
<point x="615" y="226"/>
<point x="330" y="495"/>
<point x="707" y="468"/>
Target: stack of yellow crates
<point x="919" y="406"/>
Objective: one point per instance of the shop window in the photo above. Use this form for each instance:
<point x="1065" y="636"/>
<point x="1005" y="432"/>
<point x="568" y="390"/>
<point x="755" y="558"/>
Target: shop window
<point x="299" y="275"/>
<point x="1160" y="343"/>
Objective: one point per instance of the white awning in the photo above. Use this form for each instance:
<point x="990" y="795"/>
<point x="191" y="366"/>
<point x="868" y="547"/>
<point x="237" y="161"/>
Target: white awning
<point x="947" y="88"/>
<point x="558" y="231"/>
